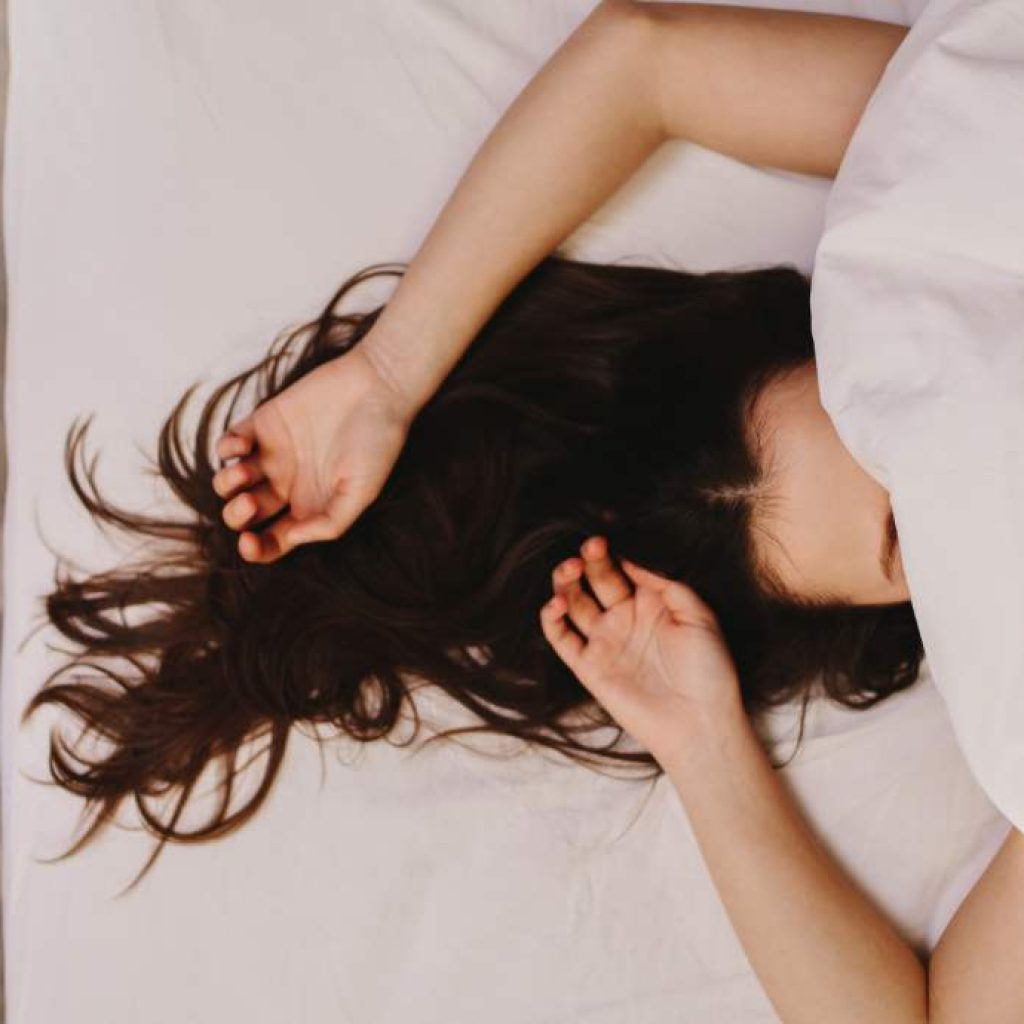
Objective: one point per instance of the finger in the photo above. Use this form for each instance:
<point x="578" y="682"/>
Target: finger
<point x="608" y="584"/>
<point x="268" y="545"/>
<point x="644" y="577"/>
<point x="247" y="473"/>
<point x="310" y="530"/>
<point x="567" y="645"/>
<point x="252" y="507"/>
<point x="231" y="445"/>
<point x="686" y="605"/>
<point x="242" y="431"/>
<point x="343" y="509"/>
<point x="682" y="601"/>
<point x="250" y="548"/>
<point x="584" y="611"/>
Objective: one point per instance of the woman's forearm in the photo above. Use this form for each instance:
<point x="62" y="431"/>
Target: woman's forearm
<point x="821" y="950"/>
<point x="770" y="87"/>
<point x="581" y="127"/>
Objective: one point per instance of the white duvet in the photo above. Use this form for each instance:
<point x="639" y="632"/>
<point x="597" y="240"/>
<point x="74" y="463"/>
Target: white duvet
<point x="918" y="318"/>
<point x="183" y="180"/>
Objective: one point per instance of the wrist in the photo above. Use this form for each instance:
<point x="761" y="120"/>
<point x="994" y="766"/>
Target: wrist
<point x="407" y="392"/>
<point x="705" y="739"/>
<point x="412" y="360"/>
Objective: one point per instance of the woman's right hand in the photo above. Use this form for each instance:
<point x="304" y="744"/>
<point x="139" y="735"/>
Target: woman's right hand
<point x="324" y="447"/>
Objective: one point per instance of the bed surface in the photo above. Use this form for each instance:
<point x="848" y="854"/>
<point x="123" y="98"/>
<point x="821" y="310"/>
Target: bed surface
<point x="183" y="181"/>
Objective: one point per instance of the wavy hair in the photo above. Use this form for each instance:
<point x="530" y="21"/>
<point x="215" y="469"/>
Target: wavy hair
<point x="597" y="399"/>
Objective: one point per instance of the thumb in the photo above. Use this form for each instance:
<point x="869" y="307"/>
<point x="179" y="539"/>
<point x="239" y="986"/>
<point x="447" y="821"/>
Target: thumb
<point x="343" y="508"/>
<point x="686" y="606"/>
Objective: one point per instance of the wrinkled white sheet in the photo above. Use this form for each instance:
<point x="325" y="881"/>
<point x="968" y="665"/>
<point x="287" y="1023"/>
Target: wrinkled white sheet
<point x="182" y="181"/>
<point x="918" y="317"/>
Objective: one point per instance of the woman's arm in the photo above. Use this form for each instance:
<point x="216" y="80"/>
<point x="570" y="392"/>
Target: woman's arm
<point x="778" y="88"/>
<point x="823" y="952"/>
<point x="975" y="970"/>
<point x="821" y="949"/>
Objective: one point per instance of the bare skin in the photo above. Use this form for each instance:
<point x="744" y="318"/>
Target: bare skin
<point x="652" y="653"/>
<point x="650" y="650"/>
<point x="824" y="531"/>
<point x="781" y="89"/>
<point x="774" y="88"/>
<point x="324" y="447"/>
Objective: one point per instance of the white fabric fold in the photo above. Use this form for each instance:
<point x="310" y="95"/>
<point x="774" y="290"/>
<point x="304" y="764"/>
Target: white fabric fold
<point x="918" y="318"/>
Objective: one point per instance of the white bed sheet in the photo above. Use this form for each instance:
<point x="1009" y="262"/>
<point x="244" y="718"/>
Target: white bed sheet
<point x="182" y="181"/>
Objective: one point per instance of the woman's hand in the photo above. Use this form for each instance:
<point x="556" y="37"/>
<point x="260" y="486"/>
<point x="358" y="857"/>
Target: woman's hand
<point x="651" y="651"/>
<point x="653" y="655"/>
<point x="324" y="446"/>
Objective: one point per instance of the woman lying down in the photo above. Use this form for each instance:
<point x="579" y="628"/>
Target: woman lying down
<point x="568" y="495"/>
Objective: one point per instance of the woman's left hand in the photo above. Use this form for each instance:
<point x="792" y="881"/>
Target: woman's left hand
<point x="648" y="648"/>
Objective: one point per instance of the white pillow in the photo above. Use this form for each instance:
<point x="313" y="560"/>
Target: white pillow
<point x="917" y="305"/>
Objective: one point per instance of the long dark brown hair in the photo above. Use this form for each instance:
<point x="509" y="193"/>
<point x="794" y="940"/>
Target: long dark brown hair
<point x="598" y="399"/>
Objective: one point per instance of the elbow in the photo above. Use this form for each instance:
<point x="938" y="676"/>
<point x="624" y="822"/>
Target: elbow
<point x="627" y="34"/>
<point x="628" y="19"/>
